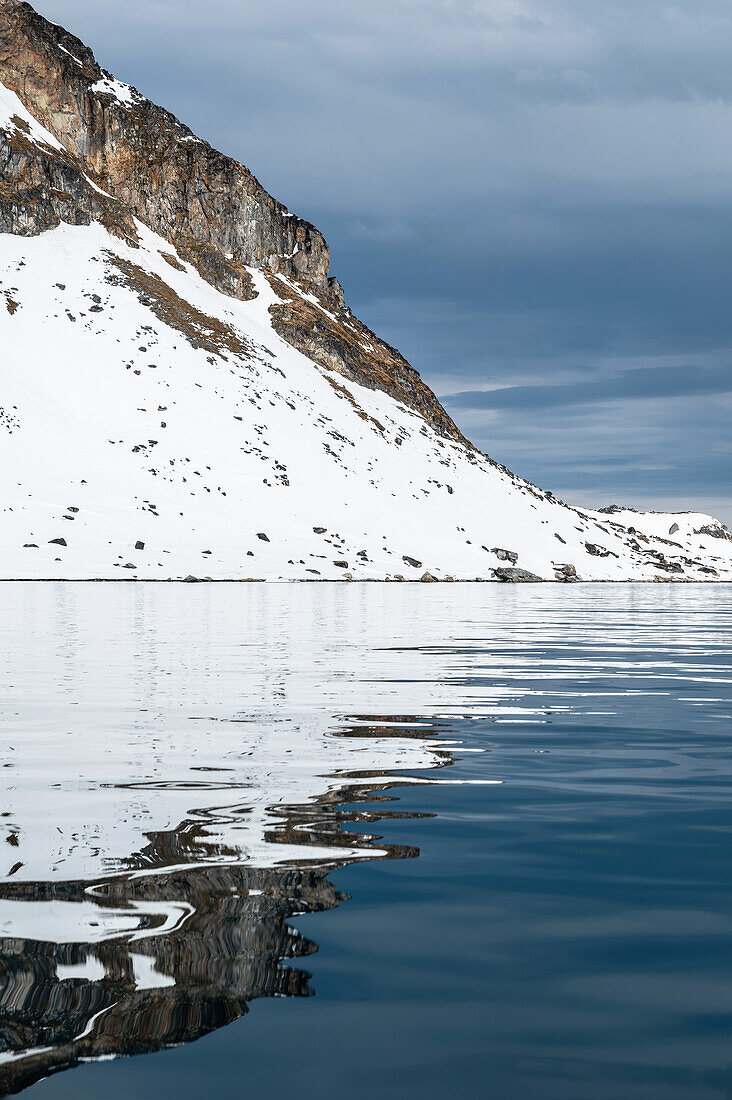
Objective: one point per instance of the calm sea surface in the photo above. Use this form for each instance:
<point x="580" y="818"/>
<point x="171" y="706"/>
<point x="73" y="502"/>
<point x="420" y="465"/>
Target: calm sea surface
<point x="395" y="841"/>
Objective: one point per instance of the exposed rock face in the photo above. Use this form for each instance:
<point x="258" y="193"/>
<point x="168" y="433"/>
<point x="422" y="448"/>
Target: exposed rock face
<point x="336" y="339"/>
<point x="113" y="156"/>
<point x="41" y="187"/>
<point x="144" y="157"/>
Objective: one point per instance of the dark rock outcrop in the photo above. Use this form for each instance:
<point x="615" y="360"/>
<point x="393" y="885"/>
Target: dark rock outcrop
<point x="715" y="531"/>
<point x="512" y="575"/>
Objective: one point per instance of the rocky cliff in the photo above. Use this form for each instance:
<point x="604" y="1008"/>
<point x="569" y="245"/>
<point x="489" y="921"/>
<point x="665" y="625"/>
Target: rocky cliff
<point x="118" y="157"/>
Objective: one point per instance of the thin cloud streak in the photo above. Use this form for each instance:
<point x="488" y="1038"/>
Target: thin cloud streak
<point x="639" y="383"/>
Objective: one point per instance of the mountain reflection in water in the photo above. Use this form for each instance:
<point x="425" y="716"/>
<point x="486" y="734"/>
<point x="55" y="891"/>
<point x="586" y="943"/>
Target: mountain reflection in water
<point x="176" y="791"/>
<point x="161" y="956"/>
<point x="182" y="769"/>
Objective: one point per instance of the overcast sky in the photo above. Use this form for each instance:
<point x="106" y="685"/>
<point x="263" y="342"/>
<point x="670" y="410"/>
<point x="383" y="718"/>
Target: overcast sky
<point x="532" y="199"/>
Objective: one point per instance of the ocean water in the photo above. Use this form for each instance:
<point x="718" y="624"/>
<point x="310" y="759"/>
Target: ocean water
<point x="366" y="840"/>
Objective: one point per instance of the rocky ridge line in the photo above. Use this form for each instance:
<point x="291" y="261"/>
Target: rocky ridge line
<point x="115" y="157"/>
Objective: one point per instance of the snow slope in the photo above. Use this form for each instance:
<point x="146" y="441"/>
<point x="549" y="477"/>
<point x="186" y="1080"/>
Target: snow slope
<point x="153" y="427"/>
<point x="154" y="458"/>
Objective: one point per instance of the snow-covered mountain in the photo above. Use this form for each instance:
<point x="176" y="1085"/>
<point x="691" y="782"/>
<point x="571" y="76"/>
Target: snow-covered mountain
<point x="183" y="391"/>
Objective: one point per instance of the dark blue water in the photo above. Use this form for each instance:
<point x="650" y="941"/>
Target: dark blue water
<point x="565" y="933"/>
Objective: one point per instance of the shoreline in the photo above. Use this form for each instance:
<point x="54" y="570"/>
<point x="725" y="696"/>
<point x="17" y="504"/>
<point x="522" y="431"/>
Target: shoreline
<point x="338" y="580"/>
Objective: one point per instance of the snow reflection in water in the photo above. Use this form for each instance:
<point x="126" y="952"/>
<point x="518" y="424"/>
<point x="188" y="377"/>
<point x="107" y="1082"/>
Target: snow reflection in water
<point x="183" y="767"/>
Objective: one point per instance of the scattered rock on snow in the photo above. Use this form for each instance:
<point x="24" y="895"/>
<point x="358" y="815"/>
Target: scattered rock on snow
<point x="505" y="555"/>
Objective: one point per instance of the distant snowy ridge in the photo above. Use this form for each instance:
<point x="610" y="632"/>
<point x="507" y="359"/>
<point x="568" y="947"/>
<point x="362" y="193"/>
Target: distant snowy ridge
<point x="174" y="405"/>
